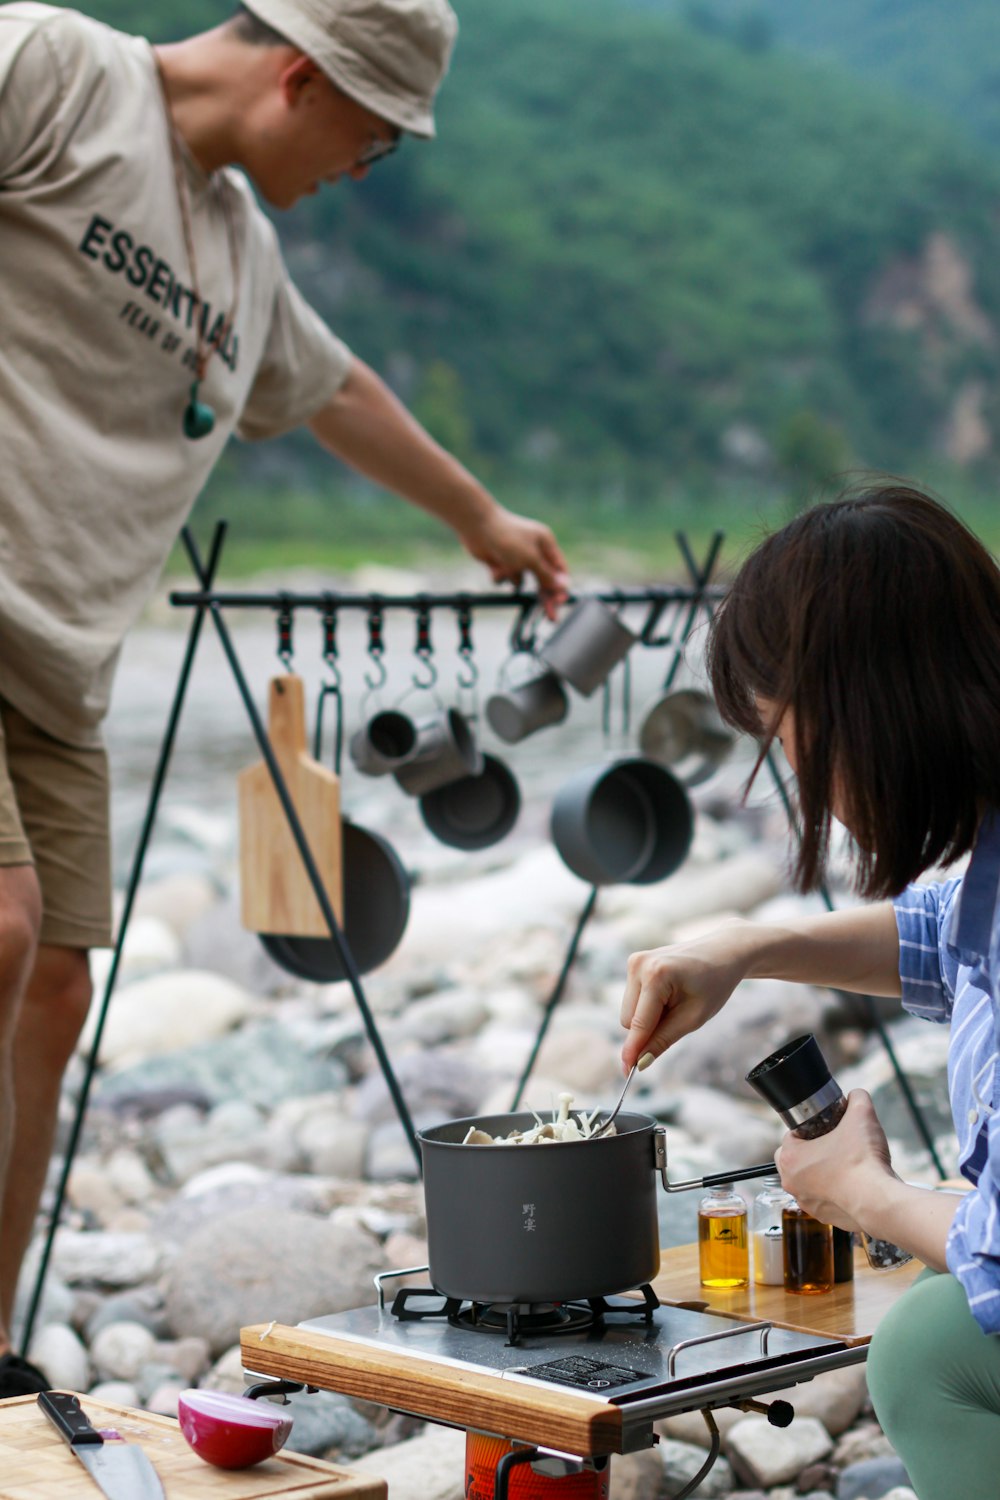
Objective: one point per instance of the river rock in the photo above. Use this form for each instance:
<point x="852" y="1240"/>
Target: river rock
<point x="60" y="1355"/>
<point x="236" y="1129"/>
<point x="143" y="1304"/>
<point x="437" y="1085"/>
<point x="116" y="1393"/>
<point x="333" y="1146"/>
<point x="178" y="900"/>
<point x="227" y="1373"/>
<point x="232" y="1187"/>
<point x="91" y="1190"/>
<point x="762" y="1014"/>
<point x="681" y="1462"/>
<point x="834" y="1398"/>
<point x="872" y="1479"/>
<point x="108" y="1259"/>
<point x="167" y="1013"/>
<point x="250" y="1267"/>
<point x="922" y="1052"/>
<point x="430" y="1466"/>
<point x="766" y="1455"/>
<point x="388" y="1153"/>
<point x="218" y="940"/>
<point x="741" y="1133"/>
<point x="150" y="947"/>
<point x="260" y="1063"/>
<point x="648" y="916"/>
<point x="864" y="1441"/>
<point x="441" y="1018"/>
<point x="186" y="1358"/>
<point x="637" y="1476"/>
<point x="120" y="1350"/>
<point x="165" y="1399"/>
<point x="585" y="1061"/>
<point x="326" y="1425"/>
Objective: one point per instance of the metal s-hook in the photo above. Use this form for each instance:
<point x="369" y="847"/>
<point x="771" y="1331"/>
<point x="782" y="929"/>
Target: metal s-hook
<point x="331" y="652"/>
<point x="376" y="647"/>
<point x="468" y="673"/>
<point x="331" y="689"/>
<point x="423" y="650"/>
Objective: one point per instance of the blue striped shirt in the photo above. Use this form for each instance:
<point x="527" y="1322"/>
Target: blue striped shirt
<point x="949" y="965"/>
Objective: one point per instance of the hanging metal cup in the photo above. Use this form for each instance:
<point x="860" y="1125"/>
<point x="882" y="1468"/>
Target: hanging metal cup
<point x="446" y="750"/>
<point x="587" y="645"/>
<point x="630" y="821"/>
<point x="683" y="730"/>
<point x="515" y="712"/>
<point x="384" y="744"/>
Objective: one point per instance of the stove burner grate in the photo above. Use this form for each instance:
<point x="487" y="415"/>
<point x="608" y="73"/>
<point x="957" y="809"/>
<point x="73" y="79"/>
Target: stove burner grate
<point x="521" y="1320"/>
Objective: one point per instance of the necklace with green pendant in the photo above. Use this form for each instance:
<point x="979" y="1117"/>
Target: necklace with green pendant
<point x="199" y="417"/>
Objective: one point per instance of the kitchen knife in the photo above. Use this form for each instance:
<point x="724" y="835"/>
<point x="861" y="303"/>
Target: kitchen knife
<point x="121" y="1469"/>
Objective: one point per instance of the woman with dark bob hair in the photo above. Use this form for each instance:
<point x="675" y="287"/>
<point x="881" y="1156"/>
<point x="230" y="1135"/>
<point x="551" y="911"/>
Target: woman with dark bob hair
<point x="865" y="637"/>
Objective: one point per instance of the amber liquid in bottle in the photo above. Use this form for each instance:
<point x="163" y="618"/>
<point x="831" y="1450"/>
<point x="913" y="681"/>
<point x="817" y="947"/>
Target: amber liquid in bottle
<point x="723" y="1250"/>
<point x="808" y="1247"/>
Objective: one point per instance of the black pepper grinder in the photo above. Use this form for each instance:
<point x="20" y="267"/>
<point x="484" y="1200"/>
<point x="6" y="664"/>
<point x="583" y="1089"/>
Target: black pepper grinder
<point x="796" y="1081"/>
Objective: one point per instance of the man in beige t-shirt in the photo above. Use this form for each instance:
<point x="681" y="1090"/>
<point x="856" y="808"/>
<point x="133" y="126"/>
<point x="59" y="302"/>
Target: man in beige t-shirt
<point x="145" y="315"/>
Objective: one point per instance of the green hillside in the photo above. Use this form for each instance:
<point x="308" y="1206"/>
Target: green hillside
<point x="946" y="56"/>
<point x="640" y="258"/>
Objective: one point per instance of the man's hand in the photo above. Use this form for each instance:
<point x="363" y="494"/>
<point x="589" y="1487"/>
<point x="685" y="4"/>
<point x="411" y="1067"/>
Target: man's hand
<point x="367" y="427"/>
<point x="511" y="545"/>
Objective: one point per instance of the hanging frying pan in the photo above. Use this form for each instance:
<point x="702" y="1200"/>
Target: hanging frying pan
<point x="475" y="811"/>
<point x="376" y="909"/>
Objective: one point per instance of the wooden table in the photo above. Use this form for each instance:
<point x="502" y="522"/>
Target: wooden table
<point x="851" y="1312"/>
<point x="35" y="1463"/>
<point x="558" y="1417"/>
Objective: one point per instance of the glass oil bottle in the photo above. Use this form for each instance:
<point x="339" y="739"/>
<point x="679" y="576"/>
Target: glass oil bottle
<point x="808" y="1250"/>
<point x="723" y="1244"/>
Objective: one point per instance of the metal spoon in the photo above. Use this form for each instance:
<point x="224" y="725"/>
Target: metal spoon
<point x="605" y="1125"/>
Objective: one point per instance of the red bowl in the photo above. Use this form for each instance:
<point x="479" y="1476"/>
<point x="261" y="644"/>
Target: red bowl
<point x="231" y="1432"/>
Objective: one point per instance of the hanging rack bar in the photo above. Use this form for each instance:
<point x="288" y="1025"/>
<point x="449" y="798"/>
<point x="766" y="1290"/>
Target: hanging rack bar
<point x="229" y="599"/>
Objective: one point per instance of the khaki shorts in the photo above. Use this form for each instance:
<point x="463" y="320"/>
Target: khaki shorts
<point x="54" y="814"/>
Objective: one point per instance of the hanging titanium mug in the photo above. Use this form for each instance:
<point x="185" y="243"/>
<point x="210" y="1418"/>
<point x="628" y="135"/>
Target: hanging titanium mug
<point x="386" y="742"/>
<point x="515" y="712"/>
<point x="683" y="730"/>
<point x="445" y="751"/>
<point x="587" y="645"/>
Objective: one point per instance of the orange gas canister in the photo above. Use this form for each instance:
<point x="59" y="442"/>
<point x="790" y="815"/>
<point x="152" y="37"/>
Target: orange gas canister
<point x="483" y="1453"/>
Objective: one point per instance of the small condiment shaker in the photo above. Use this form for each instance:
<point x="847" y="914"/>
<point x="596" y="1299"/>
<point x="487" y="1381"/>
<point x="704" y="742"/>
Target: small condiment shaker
<point x="766" y="1233"/>
<point x="797" y="1082"/>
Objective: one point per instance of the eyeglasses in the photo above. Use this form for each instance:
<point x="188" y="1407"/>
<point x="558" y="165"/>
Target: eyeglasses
<point x="377" y="148"/>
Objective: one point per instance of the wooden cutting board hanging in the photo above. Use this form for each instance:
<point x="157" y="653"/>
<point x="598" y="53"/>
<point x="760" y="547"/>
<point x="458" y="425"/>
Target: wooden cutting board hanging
<point x="276" y="893"/>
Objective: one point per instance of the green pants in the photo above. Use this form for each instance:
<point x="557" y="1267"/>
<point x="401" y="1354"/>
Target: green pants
<point x="934" y="1380"/>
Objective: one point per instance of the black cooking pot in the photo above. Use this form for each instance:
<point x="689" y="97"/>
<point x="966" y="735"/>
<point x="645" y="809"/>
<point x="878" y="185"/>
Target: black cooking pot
<point x="547" y="1223"/>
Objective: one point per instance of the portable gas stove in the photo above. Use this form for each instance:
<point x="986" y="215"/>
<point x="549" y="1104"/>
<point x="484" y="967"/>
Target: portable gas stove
<point x="566" y="1385"/>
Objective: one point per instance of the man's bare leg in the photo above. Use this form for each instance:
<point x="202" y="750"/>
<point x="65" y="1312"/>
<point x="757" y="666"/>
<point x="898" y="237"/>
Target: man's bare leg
<point x="52" y="1012"/>
<point x="53" y="1009"/>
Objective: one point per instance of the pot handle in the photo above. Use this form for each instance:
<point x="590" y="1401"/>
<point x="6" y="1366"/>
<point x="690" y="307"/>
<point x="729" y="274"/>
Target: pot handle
<point x="714" y="1179"/>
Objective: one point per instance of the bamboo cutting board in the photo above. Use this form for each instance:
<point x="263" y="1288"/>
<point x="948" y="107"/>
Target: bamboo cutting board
<point x="851" y="1312"/>
<point x="35" y="1463"/>
<point x="276" y="893"/>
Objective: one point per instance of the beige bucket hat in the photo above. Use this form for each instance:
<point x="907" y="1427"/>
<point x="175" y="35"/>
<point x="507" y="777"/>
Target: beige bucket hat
<point x="389" y="55"/>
